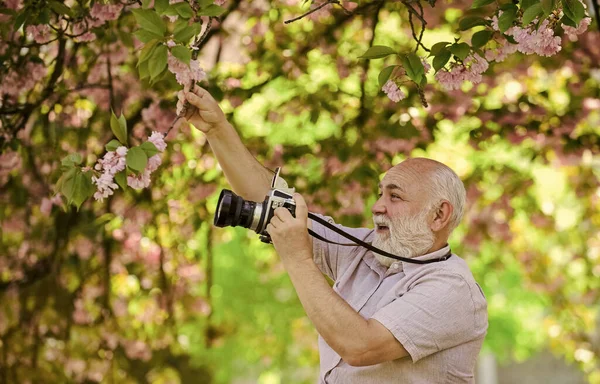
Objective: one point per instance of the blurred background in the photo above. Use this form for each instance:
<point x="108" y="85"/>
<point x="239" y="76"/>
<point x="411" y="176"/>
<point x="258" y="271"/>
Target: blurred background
<point x="142" y="288"/>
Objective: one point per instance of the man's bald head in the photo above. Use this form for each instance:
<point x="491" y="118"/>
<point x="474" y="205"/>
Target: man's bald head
<point x="432" y="182"/>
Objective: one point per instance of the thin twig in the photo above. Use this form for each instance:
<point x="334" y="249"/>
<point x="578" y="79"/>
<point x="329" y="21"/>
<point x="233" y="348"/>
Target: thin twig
<point x="316" y="9"/>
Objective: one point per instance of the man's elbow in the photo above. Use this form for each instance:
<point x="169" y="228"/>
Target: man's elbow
<point x="366" y="358"/>
<point x="362" y="359"/>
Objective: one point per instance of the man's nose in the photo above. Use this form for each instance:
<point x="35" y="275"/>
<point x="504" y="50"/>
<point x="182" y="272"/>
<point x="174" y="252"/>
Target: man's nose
<point x="378" y="207"/>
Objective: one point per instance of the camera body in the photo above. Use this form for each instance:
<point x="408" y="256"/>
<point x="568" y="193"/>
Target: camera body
<point x="233" y="210"/>
<point x="276" y="198"/>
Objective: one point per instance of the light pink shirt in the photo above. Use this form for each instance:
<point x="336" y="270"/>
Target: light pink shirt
<point x="436" y="311"/>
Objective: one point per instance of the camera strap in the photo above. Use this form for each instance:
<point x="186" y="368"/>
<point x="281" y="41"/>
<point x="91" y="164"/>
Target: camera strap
<point x="365" y="245"/>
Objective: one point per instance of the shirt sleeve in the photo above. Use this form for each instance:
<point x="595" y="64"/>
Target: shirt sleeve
<point x="437" y="313"/>
<point x="333" y="259"/>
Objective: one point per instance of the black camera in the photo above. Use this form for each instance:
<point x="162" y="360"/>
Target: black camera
<point x="234" y="211"/>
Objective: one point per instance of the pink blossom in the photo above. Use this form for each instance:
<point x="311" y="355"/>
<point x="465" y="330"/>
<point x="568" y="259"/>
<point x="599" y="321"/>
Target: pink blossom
<point x="15" y="82"/>
<point x="113" y="161"/>
<point x="105" y="12"/>
<point x="541" y="41"/>
<point x="40" y="33"/>
<point x="470" y="70"/>
<point x="82" y="35"/>
<point x="500" y="53"/>
<point x="13" y="4"/>
<point x="184" y="74"/>
<point x="158" y="139"/>
<point x="105" y="184"/>
<point x="153" y="163"/>
<point x="392" y="91"/>
<point x="139" y="181"/>
<point x="572" y="33"/>
<point x="220" y="2"/>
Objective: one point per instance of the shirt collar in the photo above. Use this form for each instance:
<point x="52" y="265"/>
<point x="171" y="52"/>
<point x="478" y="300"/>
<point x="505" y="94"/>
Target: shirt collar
<point x="429" y="256"/>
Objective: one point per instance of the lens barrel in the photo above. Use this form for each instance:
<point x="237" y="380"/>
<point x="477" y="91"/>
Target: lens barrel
<point x="234" y="211"/>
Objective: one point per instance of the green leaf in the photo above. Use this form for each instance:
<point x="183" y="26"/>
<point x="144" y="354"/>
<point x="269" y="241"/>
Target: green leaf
<point x="60" y="8"/>
<point x="136" y="159"/>
<point x="548" y="6"/>
<point x="566" y="21"/>
<point x="506" y="19"/>
<point x="481" y="3"/>
<point x="118" y="130"/>
<point x="469" y="22"/>
<point x="150" y="21"/>
<point x="525" y="4"/>
<point x="460" y="50"/>
<point x="72" y="160"/>
<point x="385" y="74"/>
<point x="182" y="53"/>
<point x="212" y="10"/>
<point x="126" y="38"/>
<point x="143" y="70"/>
<point x="413" y="67"/>
<point x="146" y="4"/>
<point x="121" y="179"/>
<point x="574" y="10"/>
<point x="184" y="32"/>
<point x="161" y="6"/>
<point x="112" y="145"/>
<point x="481" y="38"/>
<point x="184" y="10"/>
<point x="158" y="61"/>
<point x="205" y="3"/>
<point x="377" y="52"/>
<point x="69" y="173"/>
<point x="83" y="188"/>
<point x="147" y="51"/>
<point x="441" y="59"/>
<point x="531" y="13"/>
<point x="21" y="19"/>
<point x="438" y="47"/>
<point x="146" y="36"/>
<point x="149" y="148"/>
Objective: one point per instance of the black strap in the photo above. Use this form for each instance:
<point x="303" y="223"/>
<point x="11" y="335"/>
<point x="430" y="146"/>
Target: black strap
<point x="366" y="245"/>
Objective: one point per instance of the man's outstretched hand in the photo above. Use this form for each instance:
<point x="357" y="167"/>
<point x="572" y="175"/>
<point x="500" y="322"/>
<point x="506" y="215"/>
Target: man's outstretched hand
<point x="203" y="112"/>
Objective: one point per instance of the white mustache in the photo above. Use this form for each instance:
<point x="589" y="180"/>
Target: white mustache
<point x="381" y="221"/>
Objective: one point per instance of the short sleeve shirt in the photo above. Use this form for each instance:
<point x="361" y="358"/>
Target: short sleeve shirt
<point x="436" y="311"/>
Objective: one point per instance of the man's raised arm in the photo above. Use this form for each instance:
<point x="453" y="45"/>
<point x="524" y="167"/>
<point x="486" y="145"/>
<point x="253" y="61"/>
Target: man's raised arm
<point x="247" y="177"/>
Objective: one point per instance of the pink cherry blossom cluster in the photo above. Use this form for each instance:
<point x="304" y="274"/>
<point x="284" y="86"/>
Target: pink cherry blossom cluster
<point x="392" y="91"/>
<point x="15" y="83"/>
<point x="470" y="70"/>
<point x="143" y="180"/>
<point x="99" y="15"/>
<point x="541" y="41"/>
<point x="184" y="74"/>
<point x="112" y="163"/>
<point x="40" y="33"/>
<point x="572" y="33"/>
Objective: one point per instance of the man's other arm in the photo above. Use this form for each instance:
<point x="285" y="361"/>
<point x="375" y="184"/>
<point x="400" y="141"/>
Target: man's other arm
<point x="247" y="177"/>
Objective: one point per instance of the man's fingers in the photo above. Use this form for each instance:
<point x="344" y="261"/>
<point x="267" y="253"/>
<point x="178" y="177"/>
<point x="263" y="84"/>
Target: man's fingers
<point x="194" y="99"/>
<point x="301" y="208"/>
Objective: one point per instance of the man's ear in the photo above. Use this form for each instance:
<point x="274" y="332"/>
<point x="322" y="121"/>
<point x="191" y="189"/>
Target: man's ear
<point x="441" y="216"/>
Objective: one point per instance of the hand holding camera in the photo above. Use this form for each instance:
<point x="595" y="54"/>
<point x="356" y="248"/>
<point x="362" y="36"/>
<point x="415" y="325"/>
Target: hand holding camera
<point x="203" y="112"/>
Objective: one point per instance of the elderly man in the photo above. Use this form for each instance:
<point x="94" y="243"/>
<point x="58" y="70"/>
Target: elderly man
<point x="383" y="321"/>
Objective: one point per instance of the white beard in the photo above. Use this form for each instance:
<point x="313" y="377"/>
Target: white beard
<point x="407" y="237"/>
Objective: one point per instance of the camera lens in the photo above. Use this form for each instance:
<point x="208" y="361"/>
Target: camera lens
<point x="234" y="211"/>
